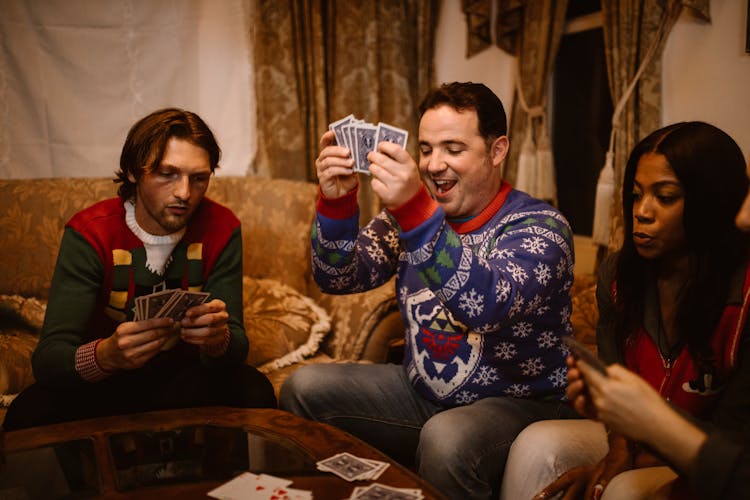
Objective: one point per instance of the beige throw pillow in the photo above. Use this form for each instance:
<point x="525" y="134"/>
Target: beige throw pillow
<point x="282" y="325"/>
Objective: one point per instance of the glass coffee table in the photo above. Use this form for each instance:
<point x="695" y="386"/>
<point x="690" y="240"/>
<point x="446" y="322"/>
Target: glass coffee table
<point x="182" y="454"/>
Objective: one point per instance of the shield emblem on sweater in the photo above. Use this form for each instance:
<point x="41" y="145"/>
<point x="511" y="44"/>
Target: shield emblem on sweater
<point x="443" y="353"/>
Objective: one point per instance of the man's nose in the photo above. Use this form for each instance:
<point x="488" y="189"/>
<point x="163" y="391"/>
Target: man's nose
<point x="436" y="163"/>
<point x="182" y="188"/>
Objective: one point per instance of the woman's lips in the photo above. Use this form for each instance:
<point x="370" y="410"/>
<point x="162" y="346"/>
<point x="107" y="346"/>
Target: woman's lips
<point x="642" y="238"/>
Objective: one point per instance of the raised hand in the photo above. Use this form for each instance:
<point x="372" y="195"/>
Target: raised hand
<point x="395" y="177"/>
<point x="334" y="167"/>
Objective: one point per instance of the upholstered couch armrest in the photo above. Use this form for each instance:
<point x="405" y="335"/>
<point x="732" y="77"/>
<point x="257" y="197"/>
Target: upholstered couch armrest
<point x="585" y="314"/>
<point x="356" y="328"/>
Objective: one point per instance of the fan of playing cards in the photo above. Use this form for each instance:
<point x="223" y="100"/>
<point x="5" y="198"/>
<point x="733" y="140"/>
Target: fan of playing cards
<point x="361" y="137"/>
<point x="167" y="303"/>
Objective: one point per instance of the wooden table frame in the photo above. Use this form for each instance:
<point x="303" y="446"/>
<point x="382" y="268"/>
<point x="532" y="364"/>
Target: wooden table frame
<point x="318" y="440"/>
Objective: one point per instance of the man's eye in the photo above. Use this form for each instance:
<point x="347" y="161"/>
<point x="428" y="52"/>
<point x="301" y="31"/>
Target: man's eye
<point x="636" y="195"/>
<point x="425" y="151"/>
<point x="200" y="178"/>
<point x="454" y="151"/>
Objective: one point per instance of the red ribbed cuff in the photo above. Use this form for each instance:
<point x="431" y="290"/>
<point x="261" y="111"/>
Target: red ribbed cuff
<point x="414" y="212"/>
<point x="216" y="350"/>
<point x="87" y="365"/>
<point x="342" y="207"/>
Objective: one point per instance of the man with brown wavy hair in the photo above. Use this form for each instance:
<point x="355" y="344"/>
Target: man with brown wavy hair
<point x="94" y="357"/>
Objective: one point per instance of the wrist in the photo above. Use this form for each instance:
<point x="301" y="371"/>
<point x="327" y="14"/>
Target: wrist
<point x="100" y="357"/>
<point x="218" y="349"/>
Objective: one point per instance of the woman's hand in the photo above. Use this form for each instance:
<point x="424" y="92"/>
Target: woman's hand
<point x="577" y="391"/>
<point x="592" y="479"/>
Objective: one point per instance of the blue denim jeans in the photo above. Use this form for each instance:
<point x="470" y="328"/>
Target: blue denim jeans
<point x="461" y="451"/>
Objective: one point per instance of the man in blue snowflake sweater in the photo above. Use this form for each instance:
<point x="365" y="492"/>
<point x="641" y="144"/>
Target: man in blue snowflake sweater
<point x="483" y="282"/>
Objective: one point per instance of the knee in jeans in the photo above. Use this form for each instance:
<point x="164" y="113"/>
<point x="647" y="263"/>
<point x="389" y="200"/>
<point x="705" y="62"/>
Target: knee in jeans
<point x="292" y="387"/>
<point x="440" y="440"/>
<point x="541" y="438"/>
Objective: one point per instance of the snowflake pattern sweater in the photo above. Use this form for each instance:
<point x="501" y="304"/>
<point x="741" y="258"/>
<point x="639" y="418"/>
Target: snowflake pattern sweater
<point x="484" y="301"/>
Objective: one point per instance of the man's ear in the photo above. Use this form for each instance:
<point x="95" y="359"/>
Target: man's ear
<point x="499" y="150"/>
<point x="131" y="178"/>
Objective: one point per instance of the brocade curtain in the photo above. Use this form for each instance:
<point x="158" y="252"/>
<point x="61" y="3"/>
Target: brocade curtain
<point x="318" y="60"/>
<point x="539" y="32"/>
<point x="630" y="28"/>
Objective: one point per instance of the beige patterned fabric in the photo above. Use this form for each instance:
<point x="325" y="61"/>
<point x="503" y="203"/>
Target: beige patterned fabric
<point x="630" y="28"/>
<point x="316" y="62"/>
<point x="276" y="219"/>
<point x="540" y="33"/>
<point x="16" y="346"/>
<point x="355" y="317"/>
<point x="508" y="24"/>
<point x="30" y="311"/>
<point x="478" y="21"/>
<point x="584" y="313"/>
<point x="282" y="325"/>
<point x="20" y="322"/>
<point x="32" y="216"/>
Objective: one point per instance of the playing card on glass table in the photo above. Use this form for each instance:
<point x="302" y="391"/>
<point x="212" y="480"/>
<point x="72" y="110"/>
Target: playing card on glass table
<point x="378" y="491"/>
<point x="258" y="486"/>
<point x="352" y="468"/>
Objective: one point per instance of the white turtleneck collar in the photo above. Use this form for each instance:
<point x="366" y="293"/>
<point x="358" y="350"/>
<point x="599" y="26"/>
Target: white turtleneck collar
<point x="158" y="248"/>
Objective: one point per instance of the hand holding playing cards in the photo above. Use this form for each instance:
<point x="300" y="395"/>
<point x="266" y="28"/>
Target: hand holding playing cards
<point x="395" y="178"/>
<point x="134" y="343"/>
<point x="205" y="324"/>
<point x="334" y="168"/>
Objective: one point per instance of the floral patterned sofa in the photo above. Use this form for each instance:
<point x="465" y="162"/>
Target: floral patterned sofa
<point x="288" y="320"/>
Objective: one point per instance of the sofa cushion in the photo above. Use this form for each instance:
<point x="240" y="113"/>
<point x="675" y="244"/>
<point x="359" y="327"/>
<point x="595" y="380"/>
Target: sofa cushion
<point x="282" y="325"/>
<point x="276" y="217"/>
<point x="20" y="322"/>
<point x="585" y="314"/>
<point x="34" y="213"/>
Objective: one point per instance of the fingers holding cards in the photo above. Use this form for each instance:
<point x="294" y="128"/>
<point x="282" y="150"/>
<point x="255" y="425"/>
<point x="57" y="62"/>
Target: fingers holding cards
<point x="362" y="137"/>
<point x="171" y="304"/>
<point x="167" y="304"/>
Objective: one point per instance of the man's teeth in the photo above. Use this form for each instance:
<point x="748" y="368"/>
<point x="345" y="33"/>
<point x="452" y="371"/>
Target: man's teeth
<point x="443" y="186"/>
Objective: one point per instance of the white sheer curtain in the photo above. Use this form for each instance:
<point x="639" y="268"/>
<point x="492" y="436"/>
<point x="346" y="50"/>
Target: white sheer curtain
<point x="76" y="74"/>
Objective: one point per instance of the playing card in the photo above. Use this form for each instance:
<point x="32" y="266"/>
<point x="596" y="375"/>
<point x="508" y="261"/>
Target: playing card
<point x="338" y="131"/>
<point x="379" y="468"/>
<point x="156" y="301"/>
<point x="382" y="492"/>
<point x="389" y="133"/>
<point x="258" y="486"/>
<point x="177" y="307"/>
<point x="346" y="466"/>
<point x="349" y="138"/>
<point x="364" y="142"/>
